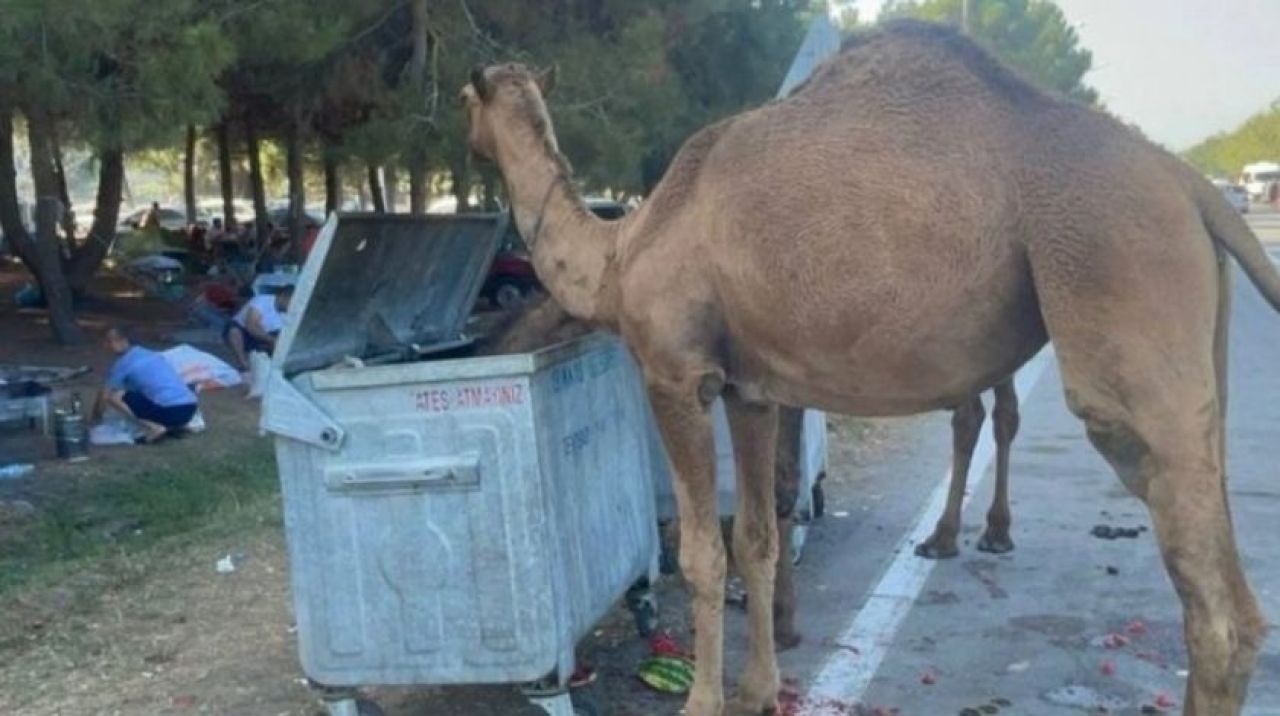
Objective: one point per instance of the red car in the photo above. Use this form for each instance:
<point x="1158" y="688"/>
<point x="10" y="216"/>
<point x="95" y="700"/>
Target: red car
<point x="511" y="280"/>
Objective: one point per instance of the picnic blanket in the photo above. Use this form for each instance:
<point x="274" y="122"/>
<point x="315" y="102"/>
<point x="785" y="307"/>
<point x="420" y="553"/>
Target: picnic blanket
<point x="201" y="369"/>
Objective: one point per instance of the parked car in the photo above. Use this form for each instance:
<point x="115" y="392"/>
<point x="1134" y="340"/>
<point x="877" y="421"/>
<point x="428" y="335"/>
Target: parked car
<point x="279" y="217"/>
<point x="170" y="219"/>
<point x="1235" y="194"/>
<point x="242" y="210"/>
<point x="1258" y="177"/>
<point x="512" y="279"/>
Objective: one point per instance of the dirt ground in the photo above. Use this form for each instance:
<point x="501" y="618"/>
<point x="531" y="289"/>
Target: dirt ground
<point x="160" y="631"/>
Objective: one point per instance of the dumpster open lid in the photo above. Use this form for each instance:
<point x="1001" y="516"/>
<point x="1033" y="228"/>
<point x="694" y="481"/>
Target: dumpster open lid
<point x="387" y="286"/>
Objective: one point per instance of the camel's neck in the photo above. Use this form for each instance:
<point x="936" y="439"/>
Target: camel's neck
<point x="572" y="248"/>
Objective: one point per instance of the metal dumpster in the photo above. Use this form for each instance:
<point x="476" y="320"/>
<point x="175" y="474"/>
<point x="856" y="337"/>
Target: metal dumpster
<point x="449" y="520"/>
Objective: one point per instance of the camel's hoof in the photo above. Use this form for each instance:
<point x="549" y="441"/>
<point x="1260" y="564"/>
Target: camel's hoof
<point x="752" y="705"/>
<point x="786" y="640"/>
<point x="995" y="544"/>
<point x="935" y="548"/>
<point x="697" y="705"/>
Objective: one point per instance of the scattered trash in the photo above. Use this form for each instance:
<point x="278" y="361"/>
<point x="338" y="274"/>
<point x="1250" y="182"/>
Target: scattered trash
<point x="229" y="562"/>
<point x="1018" y="667"/>
<point x="735" y="595"/>
<point x="1085" y="698"/>
<point x="840" y="513"/>
<point x="1164" y="702"/>
<point x="582" y="676"/>
<point x="1108" y="667"/>
<point x="184" y="701"/>
<point x="1115" y="641"/>
<point x="1136" y="627"/>
<point x="667" y="674"/>
<point x="1109" y="532"/>
<point x="17" y="469"/>
<point x="1183" y="673"/>
<point x="928" y="678"/>
<point x="832" y="643"/>
<point x="663" y="644"/>
<point x="1112" y="571"/>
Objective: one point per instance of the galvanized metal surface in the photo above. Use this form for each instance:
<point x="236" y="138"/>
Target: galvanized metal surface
<point x="468" y="531"/>
<point x="387" y="284"/>
<point x="457" y="521"/>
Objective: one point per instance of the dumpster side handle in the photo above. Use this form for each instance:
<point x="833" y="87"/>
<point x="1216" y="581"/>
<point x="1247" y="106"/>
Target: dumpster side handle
<point x="289" y="413"/>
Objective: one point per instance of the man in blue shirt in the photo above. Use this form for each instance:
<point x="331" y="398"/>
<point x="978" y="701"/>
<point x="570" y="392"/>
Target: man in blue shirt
<point x="143" y="386"/>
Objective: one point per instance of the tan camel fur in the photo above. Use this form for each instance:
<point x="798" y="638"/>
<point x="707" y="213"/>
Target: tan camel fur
<point x="783" y="260"/>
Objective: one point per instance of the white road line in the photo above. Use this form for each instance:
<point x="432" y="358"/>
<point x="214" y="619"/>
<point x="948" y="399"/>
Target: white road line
<point x="863" y="645"/>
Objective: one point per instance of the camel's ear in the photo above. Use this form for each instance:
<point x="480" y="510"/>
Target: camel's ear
<point x="479" y="82"/>
<point x="546" y="79"/>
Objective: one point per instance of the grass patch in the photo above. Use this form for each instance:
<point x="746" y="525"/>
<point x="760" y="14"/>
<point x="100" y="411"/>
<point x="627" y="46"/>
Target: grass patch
<point x="128" y="513"/>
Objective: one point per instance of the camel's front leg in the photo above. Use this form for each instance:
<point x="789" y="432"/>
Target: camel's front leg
<point x="754" y="430"/>
<point x="684" y="420"/>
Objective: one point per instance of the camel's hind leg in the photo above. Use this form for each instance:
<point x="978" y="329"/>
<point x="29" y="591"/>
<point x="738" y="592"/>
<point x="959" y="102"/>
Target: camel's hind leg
<point x="787" y="469"/>
<point x="1005" y="418"/>
<point x="1140" y="366"/>
<point x="966" y="426"/>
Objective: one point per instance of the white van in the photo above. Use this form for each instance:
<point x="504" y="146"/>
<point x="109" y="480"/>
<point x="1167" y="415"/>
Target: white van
<point x="1258" y="177"/>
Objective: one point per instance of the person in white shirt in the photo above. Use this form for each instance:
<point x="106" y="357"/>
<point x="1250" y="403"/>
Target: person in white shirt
<point x="256" y="326"/>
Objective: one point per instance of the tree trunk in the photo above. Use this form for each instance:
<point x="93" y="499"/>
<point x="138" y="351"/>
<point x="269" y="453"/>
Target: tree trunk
<point x="66" y="220"/>
<point x="418" y="61"/>
<point x="106" y="213"/>
<point x="490" y="186"/>
<point x="375" y="190"/>
<point x="10" y="212"/>
<point x="46" y="253"/>
<point x="255" y="182"/>
<point x="461" y="179"/>
<point x="417" y="187"/>
<point x="225" y="177"/>
<point x="332" y="185"/>
<point x="297" y="188"/>
<point x="391" y="185"/>
<point x="189" y="174"/>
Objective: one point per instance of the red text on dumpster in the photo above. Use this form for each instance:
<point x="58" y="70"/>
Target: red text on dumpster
<point x="469" y="397"/>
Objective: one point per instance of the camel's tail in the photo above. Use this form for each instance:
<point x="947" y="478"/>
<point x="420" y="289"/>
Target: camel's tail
<point x="1230" y="230"/>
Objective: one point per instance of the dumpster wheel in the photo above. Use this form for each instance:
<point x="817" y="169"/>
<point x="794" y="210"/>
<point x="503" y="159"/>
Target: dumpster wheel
<point x="643" y="606"/>
<point x="819" y="496"/>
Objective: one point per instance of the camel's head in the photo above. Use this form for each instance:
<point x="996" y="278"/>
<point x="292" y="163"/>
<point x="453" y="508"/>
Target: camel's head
<point x="505" y="101"/>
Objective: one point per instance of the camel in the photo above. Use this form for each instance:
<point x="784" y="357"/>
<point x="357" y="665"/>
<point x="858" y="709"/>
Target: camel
<point x="542" y="322"/>
<point x="782" y="261"/>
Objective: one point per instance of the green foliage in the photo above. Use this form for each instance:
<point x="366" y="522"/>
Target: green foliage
<point x="1258" y="139"/>
<point x="125" y="73"/>
<point x="1032" y="36"/>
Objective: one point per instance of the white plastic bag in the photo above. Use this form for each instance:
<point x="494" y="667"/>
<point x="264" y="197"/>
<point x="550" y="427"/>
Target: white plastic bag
<point x="259" y="370"/>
